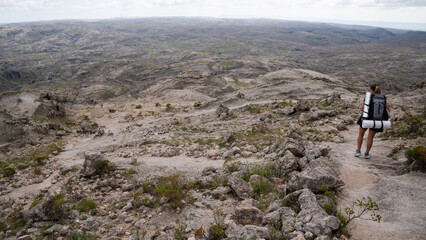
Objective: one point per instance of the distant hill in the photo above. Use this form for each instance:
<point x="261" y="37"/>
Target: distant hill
<point x="134" y="53"/>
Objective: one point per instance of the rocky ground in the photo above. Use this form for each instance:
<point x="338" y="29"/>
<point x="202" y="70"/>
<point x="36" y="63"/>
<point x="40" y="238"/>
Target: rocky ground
<point x="271" y="157"/>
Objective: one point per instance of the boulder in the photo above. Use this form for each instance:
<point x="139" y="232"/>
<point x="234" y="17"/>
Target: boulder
<point x="240" y="187"/>
<point x="248" y="232"/>
<point x="312" y="217"/>
<point x="95" y="164"/>
<point x="288" y="163"/>
<point x="247" y="214"/>
<point x="285" y="111"/>
<point x="317" y="174"/>
<point x="303" y="105"/>
<point x="89" y="127"/>
<point x="294" y="145"/>
<point x="48" y="207"/>
<point x="222" y="111"/>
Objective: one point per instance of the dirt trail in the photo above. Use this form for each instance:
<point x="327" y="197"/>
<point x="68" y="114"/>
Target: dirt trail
<point x="401" y="198"/>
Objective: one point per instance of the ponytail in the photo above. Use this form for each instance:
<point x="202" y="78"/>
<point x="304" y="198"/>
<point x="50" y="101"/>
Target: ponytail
<point x="375" y="89"/>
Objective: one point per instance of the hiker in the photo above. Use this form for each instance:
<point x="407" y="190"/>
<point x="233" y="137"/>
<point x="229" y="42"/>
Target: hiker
<point x="374" y="89"/>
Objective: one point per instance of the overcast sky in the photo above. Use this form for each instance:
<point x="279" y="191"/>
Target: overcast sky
<point x="347" y="11"/>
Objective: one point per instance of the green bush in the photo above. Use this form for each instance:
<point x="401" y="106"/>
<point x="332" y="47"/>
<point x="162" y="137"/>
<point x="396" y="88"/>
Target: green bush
<point x="102" y="167"/>
<point x="170" y="188"/>
<point x="138" y="106"/>
<point x="268" y="170"/>
<point x="9" y="172"/>
<point x="417" y="157"/>
<point x="86" y="205"/>
<point x="262" y="187"/>
<point x="217" y="230"/>
<point x="409" y="127"/>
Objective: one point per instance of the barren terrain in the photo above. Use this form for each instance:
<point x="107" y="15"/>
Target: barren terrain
<point x="183" y="130"/>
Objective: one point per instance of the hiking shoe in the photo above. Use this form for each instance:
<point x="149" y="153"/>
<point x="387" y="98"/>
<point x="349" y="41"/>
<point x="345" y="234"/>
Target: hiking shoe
<point x="367" y="156"/>
<point x="357" y="153"/>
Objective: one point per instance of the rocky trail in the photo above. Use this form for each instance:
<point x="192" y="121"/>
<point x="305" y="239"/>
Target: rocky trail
<point x="155" y="146"/>
<point x="399" y="196"/>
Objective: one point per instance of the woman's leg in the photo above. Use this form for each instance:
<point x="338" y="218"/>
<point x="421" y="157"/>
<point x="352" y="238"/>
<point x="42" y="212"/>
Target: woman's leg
<point x="360" y="137"/>
<point x="370" y="137"/>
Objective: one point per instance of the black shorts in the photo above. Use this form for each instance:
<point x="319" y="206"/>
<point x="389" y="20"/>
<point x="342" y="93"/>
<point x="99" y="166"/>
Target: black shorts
<point x="359" y="122"/>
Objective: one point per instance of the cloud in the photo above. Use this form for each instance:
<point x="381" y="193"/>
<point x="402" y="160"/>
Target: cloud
<point x="401" y="3"/>
<point x="27" y="4"/>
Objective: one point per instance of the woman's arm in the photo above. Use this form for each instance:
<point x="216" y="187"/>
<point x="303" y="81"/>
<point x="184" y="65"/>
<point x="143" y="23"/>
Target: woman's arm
<point x="362" y="106"/>
<point x="387" y="107"/>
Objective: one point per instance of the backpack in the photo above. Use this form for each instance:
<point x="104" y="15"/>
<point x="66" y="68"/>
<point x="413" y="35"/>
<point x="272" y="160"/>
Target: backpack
<point x="377" y="108"/>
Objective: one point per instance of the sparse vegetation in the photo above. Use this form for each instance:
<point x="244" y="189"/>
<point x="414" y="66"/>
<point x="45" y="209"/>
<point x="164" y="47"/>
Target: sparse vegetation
<point x="409" y="127"/>
<point x="417" y="158"/>
<point x="86" y="205"/>
<point x="217" y="230"/>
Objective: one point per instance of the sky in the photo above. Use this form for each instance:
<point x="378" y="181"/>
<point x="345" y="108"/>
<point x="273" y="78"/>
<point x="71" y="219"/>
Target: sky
<point x="408" y="14"/>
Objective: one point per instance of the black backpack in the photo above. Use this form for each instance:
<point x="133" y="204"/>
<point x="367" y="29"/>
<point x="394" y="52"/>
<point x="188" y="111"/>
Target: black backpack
<point x="377" y="108"/>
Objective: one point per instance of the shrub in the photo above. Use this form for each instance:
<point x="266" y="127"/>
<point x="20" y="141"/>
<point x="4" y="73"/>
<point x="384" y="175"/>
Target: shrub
<point x="199" y="233"/>
<point x="102" y="167"/>
<point x="138" y="106"/>
<point x="362" y="206"/>
<point x="330" y="209"/>
<point x="262" y="187"/>
<point x="111" y="110"/>
<point x="417" y="157"/>
<point x="180" y="233"/>
<point x="170" y="188"/>
<point x="409" y="127"/>
<point x="217" y="231"/>
<point x="86" y="205"/>
<point x="268" y="170"/>
<point x="9" y="172"/>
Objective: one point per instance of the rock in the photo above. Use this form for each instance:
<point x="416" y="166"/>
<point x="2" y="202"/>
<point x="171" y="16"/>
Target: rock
<point x="50" y="207"/>
<point x="293" y="145"/>
<point x="285" y="111"/>
<point x="313" y="218"/>
<point x="296" y="235"/>
<point x="251" y="148"/>
<point x="341" y="126"/>
<point x="26" y="237"/>
<point x="322" y="238"/>
<point x="95" y="164"/>
<point x="222" y="111"/>
<point x="195" y="218"/>
<point x="88" y="127"/>
<point x="246" y="154"/>
<point x="247" y="214"/>
<point x="240" y="187"/>
<point x="303" y="105"/>
<point x="288" y="163"/>
<point x="318" y="173"/>
<point x="150" y="235"/>
<point x="127" y="187"/>
<point x="248" y="232"/>
<point x="53" y="229"/>
<point x="309" y="236"/>
<point x="221" y="191"/>
<point x="229" y="137"/>
<point x="327" y="113"/>
<point x="308" y="116"/>
<point x="272" y="217"/>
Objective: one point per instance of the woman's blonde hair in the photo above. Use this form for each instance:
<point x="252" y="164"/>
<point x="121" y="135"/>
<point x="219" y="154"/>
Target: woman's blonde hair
<point x="375" y="89"/>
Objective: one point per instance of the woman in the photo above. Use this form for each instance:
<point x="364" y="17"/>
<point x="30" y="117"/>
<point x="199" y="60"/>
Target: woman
<point x="374" y="89"/>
